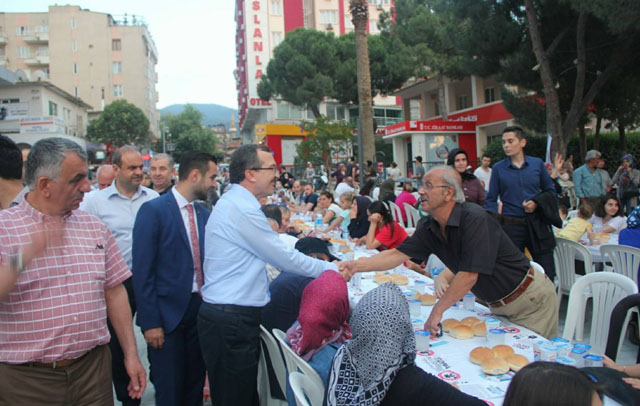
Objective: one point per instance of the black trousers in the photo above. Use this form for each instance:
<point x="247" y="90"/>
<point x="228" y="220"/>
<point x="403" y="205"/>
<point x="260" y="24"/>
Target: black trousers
<point x="120" y="377"/>
<point x="230" y="344"/>
<point x="519" y="234"/>
<point x="617" y="320"/>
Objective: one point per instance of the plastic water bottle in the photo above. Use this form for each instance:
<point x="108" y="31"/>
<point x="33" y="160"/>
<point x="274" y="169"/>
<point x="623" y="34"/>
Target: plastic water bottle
<point x="319" y="224"/>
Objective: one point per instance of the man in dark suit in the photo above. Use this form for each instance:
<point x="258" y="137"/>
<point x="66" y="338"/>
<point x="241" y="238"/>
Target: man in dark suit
<point x="167" y="236"/>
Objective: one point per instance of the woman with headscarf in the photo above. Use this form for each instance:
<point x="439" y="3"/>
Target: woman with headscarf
<point x="473" y="189"/>
<point x="387" y="191"/>
<point x="321" y="327"/>
<point x="359" y="224"/>
<point x="631" y="234"/>
<point x="627" y="180"/>
<point x="377" y="366"/>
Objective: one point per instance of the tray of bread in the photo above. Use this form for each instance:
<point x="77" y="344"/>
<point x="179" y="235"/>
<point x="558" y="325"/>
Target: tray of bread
<point x="497" y="360"/>
<point x="381" y="278"/>
<point x="465" y="329"/>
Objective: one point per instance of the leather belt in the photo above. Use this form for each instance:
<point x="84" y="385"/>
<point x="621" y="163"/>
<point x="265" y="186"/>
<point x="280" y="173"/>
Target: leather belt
<point x="506" y="219"/>
<point x="516" y="292"/>
<point x="229" y="308"/>
<point x="64" y="363"/>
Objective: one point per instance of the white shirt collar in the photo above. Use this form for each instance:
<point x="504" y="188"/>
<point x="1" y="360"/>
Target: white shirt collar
<point x="181" y="200"/>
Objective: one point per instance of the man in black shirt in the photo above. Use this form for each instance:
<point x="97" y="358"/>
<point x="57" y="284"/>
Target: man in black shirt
<point x="481" y="257"/>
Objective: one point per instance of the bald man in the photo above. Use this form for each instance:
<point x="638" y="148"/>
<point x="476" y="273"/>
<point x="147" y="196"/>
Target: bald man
<point x="105" y="176"/>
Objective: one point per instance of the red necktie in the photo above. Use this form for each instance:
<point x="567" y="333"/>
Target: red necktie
<point x="195" y="248"/>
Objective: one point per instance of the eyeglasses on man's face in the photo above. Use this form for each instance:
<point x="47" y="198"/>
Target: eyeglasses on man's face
<point x="273" y="169"/>
<point x="429" y="186"/>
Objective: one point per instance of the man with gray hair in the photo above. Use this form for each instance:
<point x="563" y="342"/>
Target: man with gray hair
<point x="587" y="179"/>
<point x="105" y="175"/>
<point x="162" y="173"/>
<point x="53" y="309"/>
<point x="480" y="256"/>
<point x="117" y="206"/>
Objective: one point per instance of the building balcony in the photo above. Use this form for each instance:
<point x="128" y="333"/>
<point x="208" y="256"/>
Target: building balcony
<point x="4" y="39"/>
<point x="36" y="38"/>
<point x="40" y="59"/>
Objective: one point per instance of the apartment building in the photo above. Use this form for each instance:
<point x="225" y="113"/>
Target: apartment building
<point x="260" y="26"/>
<point x="476" y="115"/>
<point x="92" y="56"/>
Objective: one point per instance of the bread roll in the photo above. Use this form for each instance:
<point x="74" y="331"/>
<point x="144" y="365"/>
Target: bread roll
<point x="448" y="324"/>
<point x="495" y="366"/>
<point x="400" y="280"/>
<point x="381" y="279"/>
<point x="427" y="299"/>
<point x="516" y="361"/>
<point x="470" y="321"/>
<point x="479" y="354"/>
<point x="503" y="351"/>
<point x="480" y="329"/>
<point x="461" y="332"/>
<point x="341" y="242"/>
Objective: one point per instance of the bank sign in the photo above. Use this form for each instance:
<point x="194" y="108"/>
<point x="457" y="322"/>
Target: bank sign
<point x="257" y="48"/>
<point x="438" y="126"/>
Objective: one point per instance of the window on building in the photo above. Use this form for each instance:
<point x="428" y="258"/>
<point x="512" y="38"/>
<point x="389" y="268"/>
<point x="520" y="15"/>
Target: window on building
<point x="276" y="7"/>
<point x="348" y="23"/>
<point x="42" y="28"/>
<point x="75" y="92"/>
<point x="53" y="109"/>
<point x="116" y="45"/>
<point x="462" y="102"/>
<point x="276" y="38"/>
<point x="282" y="110"/>
<point x="489" y="95"/>
<point x="73" y="23"/>
<point x="335" y="111"/>
<point x="22" y="30"/>
<point x="117" y="90"/>
<point x="373" y="27"/>
<point x="74" y="45"/>
<point x="329" y="17"/>
<point x="24" y="52"/>
<point x="75" y="68"/>
<point x="42" y="51"/>
<point x="117" y="67"/>
<point x="285" y="111"/>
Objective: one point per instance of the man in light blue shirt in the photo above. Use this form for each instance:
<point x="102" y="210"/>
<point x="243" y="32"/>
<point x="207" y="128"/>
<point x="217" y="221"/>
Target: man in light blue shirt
<point x="239" y="242"/>
<point x="587" y="179"/>
<point x="117" y="206"/>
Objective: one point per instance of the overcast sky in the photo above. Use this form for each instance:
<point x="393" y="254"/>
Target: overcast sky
<point x="195" y="41"/>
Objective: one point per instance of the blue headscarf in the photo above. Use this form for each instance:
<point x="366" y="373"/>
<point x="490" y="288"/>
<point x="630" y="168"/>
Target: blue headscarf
<point x="633" y="221"/>
<point x="629" y="158"/>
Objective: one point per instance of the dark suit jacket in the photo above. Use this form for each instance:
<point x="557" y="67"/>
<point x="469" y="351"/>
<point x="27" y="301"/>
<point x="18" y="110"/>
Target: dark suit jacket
<point x="162" y="262"/>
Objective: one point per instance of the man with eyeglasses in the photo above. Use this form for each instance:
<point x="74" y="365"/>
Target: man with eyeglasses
<point x="480" y="257"/>
<point x="239" y="242"/>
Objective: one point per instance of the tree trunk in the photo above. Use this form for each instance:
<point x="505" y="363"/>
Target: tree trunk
<point x="583" y="141"/>
<point x="623" y="139"/>
<point x="442" y="102"/>
<point x="360" y="15"/>
<point x="316" y="111"/>
<point x="554" y="116"/>
<point x="596" y="134"/>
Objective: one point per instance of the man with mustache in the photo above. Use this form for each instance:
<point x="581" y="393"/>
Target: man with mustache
<point x="66" y="275"/>
<point x="168" y="250"/>
<point x="117" y="207"/>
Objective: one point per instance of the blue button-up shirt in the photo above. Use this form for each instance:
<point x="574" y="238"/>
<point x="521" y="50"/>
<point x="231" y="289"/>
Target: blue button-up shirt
<point x="515" y="185"/>
<point x="239" y="242"/>
<point x="587" y="183"/>
<point x="118" y="212"/>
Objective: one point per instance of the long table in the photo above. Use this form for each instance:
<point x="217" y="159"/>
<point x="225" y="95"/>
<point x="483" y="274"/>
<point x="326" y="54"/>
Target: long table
<point x="448" y="358"/>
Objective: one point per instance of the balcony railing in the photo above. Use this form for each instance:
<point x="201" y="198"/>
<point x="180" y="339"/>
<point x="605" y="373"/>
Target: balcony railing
<point x="4" y="39"/>
<point x="36" y="37"/>
<point x="40" y="58"/>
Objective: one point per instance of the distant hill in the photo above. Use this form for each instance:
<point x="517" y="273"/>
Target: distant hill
<point x="212" y="113"/>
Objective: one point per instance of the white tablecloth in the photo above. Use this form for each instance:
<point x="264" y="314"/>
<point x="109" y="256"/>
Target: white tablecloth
<point x="595" y="249"/>
<point x="448" y="358"/>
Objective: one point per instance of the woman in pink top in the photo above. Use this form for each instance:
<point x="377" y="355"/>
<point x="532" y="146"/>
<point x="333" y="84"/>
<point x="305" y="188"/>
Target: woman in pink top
<point x="406" y="196"/>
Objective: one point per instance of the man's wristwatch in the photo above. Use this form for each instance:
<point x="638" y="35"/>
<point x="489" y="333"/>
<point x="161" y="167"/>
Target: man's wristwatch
<point x="15" y="262"/>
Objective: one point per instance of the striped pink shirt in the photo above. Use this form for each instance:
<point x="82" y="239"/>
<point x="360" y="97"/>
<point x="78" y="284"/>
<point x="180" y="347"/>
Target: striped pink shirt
<point x="57" y="308"/>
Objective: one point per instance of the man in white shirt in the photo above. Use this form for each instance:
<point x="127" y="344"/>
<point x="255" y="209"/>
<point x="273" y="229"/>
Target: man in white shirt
<point x="239" y="242"/>
<point x="117" y="206"/>
<point x="345" y="186"/>
<point x="483" y="172"/>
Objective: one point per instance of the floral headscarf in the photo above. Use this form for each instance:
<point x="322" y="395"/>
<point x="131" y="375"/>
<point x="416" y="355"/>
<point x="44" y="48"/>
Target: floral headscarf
<point x="383" y="343"/>
<point x="633" y="221"/>
<point x="322" y="320"/>
<point x="629" y="158"/>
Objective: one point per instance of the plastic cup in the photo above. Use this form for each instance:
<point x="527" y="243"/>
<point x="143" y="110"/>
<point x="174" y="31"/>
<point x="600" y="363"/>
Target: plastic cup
<point x="347" y="256"/>
<point x="469" y="301"/>
<point x="564" y="350"/>
<point x="414" y="308"/>
<point x="355" y="280"/>
<point x="548" y="352"/>
<point x="578" y="355"/>
<point x="423" y="339"/>
<point x="420" y="286"/>
<point x="492" y="322"/>
<point x="566" y="361"/>
<point x="496" y="336"/>
<point x="593" y="360"/>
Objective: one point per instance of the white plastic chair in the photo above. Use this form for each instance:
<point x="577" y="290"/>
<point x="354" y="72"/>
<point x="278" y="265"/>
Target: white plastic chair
<point x="606" y="289"/>
<point x="264" y="388"/>
<point x="564" y="256"/>
<point x="396" y="213"/>
<point x="304" y="388"/>
<point x="295" y="363"/>
<point x="537" y="267"/>
<point x="572" y="214"/>
<point x="625" y="259"/>
<point x="411" y="219"/>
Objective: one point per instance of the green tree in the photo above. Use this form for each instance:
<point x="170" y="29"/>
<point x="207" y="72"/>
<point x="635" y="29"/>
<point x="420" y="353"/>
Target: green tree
<point x="325" y="139"/>
<point x="121" y="123"/>
<point x="187" y="133"/>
